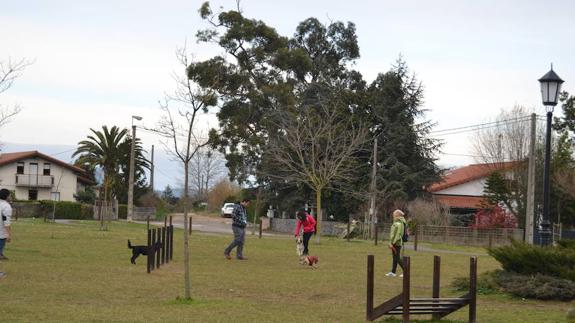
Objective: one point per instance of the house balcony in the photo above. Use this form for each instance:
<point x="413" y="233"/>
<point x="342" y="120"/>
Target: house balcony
<point x="34" y="180"/>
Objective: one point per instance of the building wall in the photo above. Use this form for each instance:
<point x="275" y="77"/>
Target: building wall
<point x="64" y="180"/>
<point x="473" y="188"/>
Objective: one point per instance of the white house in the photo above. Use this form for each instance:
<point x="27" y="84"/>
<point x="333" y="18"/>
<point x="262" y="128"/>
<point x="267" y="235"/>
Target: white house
<point x="462" y="189"/>
<point x="35" y="176"/>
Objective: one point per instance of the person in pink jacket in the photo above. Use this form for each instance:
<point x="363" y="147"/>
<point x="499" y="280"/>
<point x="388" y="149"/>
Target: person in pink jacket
<point x="308" y="223"/>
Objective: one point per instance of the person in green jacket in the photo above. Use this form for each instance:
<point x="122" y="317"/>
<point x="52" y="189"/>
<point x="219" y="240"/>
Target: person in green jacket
<point x="396" y="241"/>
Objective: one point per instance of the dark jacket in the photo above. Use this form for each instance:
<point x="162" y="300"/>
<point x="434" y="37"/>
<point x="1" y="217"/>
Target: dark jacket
<point x="239" y="216"/>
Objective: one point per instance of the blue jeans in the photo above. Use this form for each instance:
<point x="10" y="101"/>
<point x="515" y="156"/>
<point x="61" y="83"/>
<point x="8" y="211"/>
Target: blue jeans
<point x="2" y="244"/>
<point x="239" y="238"/>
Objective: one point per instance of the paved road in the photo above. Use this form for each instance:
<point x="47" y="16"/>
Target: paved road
<point x="210" y="224"/>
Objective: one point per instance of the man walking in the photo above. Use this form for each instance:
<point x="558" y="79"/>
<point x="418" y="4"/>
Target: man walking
<point x="5" y="218"/>
<point x="240" y="221"/>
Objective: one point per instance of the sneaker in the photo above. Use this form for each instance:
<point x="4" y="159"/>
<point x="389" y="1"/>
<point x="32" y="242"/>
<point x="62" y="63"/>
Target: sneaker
<point x="227" y="255"/>
<point x="390" y="274"/>
<point x="2" y="257"/>
<point x="2" y="275"/>
<point x="401" y="275"/>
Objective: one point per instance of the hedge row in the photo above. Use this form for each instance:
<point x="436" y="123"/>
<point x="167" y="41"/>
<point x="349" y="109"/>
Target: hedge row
<point x="66" y="210"/>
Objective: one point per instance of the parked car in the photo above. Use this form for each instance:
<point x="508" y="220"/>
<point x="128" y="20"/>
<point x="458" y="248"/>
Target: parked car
<point x="227" y="210"/>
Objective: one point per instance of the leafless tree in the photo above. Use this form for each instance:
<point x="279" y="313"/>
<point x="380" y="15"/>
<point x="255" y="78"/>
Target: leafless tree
<point x="315" y="146"/>
<point x="178" y="124"/>
<point x="205" y="167"/>
<point x="507" y="139"/>
<point x="9" y="71"/>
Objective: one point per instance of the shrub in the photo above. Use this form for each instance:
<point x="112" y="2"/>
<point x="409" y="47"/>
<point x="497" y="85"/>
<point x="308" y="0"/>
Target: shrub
<point x="486" y="284"/>
<point x="527" y="286"/>
<point x="527" y="259"/>
<point x="566" y="243"/>
<point x="62" y="209"/>
<point x="122" y="211"/>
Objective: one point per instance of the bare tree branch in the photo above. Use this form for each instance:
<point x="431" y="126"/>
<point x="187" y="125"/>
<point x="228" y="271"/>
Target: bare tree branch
<point x="9" y="71"/>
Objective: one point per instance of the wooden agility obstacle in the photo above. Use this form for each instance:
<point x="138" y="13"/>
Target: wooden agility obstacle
<point x="404" y="305"/>
<point x="164" y="254"/>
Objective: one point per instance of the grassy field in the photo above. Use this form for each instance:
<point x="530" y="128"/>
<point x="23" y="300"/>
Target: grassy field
<point x="75" y="273"/>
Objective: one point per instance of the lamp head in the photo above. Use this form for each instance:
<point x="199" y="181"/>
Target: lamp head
<point x="550" y="88"/>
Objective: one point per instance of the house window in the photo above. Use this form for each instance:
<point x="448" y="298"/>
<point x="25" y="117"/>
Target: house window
<point x="46" y="169"/>
<point x="55" y="196"/>
<point x="20" y="168"/>
<point x="32" y="195"/>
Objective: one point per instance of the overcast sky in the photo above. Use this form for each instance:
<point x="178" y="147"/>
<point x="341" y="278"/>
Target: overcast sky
<point x="100" y="62"/>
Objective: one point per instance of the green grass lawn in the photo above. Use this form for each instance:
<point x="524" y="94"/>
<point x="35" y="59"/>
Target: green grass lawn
<point x="76" y="273"/>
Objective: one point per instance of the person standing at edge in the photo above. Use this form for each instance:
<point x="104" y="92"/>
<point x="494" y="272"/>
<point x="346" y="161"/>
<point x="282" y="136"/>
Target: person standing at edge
<point x="5" y="219"/>
<point x="396" y="241"/>
<point x="240" y="221"/>
<point x="308" y="223"/>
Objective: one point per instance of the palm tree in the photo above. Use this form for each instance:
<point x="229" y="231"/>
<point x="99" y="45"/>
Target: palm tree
<point x="141" y="163"/>
<point x="102" y="149"/>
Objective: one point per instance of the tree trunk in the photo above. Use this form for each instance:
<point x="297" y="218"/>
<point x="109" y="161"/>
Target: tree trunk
<point x="186" y="237"/>
<point x="319" y="217"/>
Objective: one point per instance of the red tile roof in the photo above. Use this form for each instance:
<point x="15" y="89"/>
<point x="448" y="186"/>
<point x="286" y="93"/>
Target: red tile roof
<point x="460" y="201"/>
<point x="469" y="173"/>
<point x="8" y="158"/>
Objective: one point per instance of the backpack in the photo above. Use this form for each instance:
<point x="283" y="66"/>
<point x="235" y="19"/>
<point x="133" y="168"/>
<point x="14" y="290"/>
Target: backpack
<point x="405" y="236"/>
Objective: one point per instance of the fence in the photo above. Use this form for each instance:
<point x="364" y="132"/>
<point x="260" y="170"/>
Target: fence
<point x="330" y="228"/>
<point x="160" y="245"/>
<point x="143" y="213"/>
<point x="426" y="233"/>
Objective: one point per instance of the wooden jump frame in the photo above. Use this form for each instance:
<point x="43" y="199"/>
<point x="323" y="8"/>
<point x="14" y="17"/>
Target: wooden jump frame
<point x="403" y="304"/>
<point x="165" y="253"/>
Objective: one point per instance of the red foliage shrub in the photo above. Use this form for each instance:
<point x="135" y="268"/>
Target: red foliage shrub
<point x="494" y="217"/>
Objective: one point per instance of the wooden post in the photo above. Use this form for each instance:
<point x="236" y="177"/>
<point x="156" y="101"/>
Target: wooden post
<point x="171" y="241"/>
<point x="260" y="236"/>
<point x="148" y="266"/>
<point x="473" y="289"/>
<point x="436" y="281"/>
<point x="168" y="244"/>
<point x="158" y="251"/>
<point x="152" y="255"/>
<point x="405" y="293"/>
<point x="376" y="234"/>
<point x="190" y="225"/>
<point x="490" y="240"/>
<point x="348" y="227"/>
<point x="369" y="303"/>
<point x="415" y="241"/>
<point x="148" y="223"/>
<point x="163" y="245"/>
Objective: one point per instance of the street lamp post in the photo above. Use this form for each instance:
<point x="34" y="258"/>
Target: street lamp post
<point x="550" y="87"/>
<point x="132" y="170"/>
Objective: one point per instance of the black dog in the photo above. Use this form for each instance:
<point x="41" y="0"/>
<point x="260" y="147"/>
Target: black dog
<point x="142" y="250"/>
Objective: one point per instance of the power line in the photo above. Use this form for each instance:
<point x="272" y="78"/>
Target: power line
<point x="481" y="124"/>
<point x="478" y="127"/>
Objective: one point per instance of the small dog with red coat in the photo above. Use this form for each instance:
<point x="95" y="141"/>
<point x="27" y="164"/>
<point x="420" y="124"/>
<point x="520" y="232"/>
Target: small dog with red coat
<point x="311" y="261"/>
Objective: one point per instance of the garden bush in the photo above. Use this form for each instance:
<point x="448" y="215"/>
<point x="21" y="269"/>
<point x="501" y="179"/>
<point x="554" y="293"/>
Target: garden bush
<point x="63" y="210"/>
<point x="122" y="211"/>
<point x="526" y="286"/>
<point x="566" y="243"/>
<point x="528" y="259"/>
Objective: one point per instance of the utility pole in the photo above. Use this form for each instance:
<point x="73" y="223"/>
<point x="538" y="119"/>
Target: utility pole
<point x="373" y="192"/>
<point x="152" y="171"/>
<point x="132" y="170"/>
<point x="529" y="225"/>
